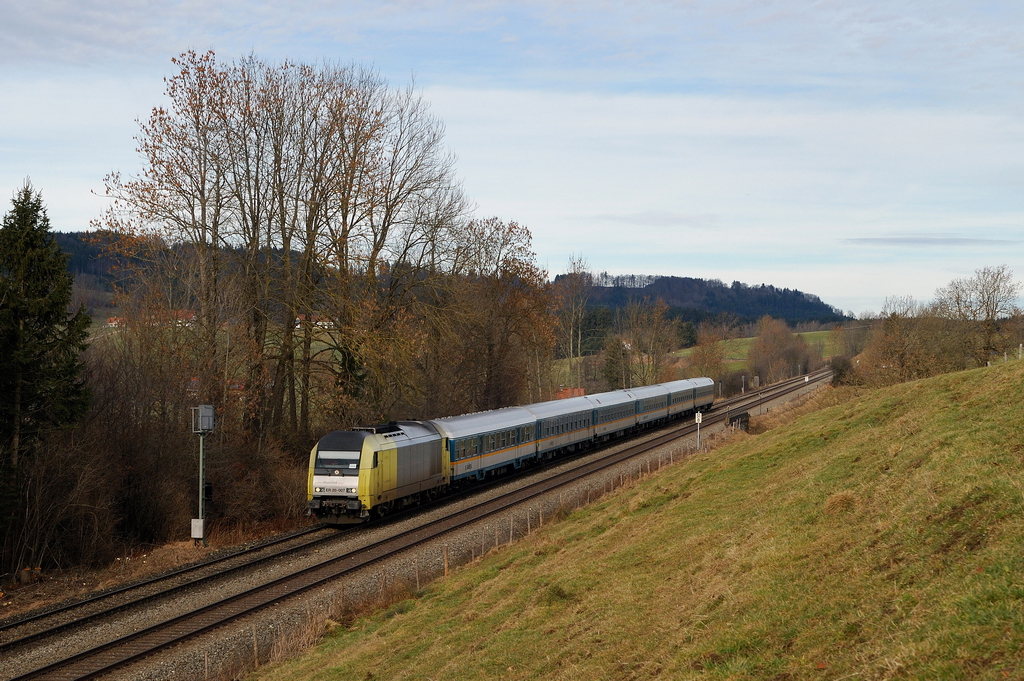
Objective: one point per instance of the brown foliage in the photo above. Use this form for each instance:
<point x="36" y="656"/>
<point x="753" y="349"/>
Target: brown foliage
<point x="296" y="252"/>
<point x="778" y="353"/>
<point x="708" y="357"/>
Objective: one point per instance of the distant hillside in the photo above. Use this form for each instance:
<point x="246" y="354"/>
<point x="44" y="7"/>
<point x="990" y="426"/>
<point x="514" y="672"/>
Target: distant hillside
<point x="86" y="251"/>
<point x="696" y="299"/>
<point x="689" y="299"/>
<point x="94" y="280"/>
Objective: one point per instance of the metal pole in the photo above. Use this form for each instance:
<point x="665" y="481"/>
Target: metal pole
<point x="202" y="484"/>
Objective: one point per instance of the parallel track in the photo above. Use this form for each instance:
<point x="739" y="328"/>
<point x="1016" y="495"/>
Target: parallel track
<point x="130" y="648"/>
<point x="82" y="604"/>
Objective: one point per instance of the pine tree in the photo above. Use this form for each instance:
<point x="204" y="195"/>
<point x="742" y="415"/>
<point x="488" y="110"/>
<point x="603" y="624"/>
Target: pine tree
<point x="40" y="342"/>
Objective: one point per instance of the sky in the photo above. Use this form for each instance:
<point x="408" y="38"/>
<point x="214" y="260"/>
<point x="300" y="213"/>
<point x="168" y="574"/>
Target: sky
<point x="853" y="150"/>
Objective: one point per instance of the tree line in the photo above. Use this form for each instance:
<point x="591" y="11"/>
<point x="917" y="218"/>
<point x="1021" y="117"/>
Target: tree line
<point x="297" y="251"/>
<point x="972" y="322"/>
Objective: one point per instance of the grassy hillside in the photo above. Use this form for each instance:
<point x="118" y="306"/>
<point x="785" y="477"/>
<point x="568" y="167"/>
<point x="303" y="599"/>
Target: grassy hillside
<point x="880" y="537"/>
<point x="737" y="349"/>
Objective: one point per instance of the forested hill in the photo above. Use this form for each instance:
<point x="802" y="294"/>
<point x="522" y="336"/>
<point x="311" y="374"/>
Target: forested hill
<point x="688" y="298"/>
<point x="697" y="299"/>
<point x="86" y="256"/>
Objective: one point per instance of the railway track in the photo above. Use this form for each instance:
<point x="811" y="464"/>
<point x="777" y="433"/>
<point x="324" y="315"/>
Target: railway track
<point x="113" y="600"/>
<point x="122" y="650"/>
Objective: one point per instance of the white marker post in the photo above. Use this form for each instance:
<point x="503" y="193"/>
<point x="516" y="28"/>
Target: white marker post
<point x="697" y="417"/>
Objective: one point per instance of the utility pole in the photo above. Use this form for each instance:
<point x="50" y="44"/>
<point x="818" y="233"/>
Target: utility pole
<point x="202" y="424"/>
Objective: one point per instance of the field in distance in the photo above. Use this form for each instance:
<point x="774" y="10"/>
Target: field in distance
<point x="738" y="349"/>
<point x="880" y="536"/>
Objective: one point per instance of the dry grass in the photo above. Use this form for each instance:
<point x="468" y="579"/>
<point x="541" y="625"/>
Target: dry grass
<point x="840" y="502"/>
<point x="815" y="551"/>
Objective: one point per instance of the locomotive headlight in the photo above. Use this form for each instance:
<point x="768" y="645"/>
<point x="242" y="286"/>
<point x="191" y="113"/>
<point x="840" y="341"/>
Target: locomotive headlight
<point x="351" y="490"/>
<point x="318" y="489"/>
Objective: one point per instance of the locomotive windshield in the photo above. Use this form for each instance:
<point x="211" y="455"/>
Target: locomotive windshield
<point x="336" y="463"/>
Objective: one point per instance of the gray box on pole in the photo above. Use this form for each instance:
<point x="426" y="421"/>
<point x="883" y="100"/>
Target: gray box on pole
<point x="202" y="418"/>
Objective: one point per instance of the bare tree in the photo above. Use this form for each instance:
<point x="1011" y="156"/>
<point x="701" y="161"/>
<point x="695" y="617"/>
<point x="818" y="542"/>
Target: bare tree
<point x="778" y="352"/>
<point x="325" y="203"/>
<point x="980" y="303"/>
<point x="571" y="294"/>
<point x="708" y="356"/>
<point x="650" y="335"/>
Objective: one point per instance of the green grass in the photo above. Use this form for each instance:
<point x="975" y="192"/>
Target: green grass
<point x="738" y="349"/>
<point x="878" y="537"/>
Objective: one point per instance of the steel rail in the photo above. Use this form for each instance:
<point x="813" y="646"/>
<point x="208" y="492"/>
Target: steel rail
<point x="174" y="631"/>
<point x="163" y="577"/>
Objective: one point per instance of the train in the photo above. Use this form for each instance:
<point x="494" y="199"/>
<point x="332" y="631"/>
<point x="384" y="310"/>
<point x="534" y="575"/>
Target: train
<point x="367" y="472"/>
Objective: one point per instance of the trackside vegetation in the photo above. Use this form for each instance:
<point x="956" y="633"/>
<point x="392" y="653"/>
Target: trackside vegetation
<point x="878" y="535"/>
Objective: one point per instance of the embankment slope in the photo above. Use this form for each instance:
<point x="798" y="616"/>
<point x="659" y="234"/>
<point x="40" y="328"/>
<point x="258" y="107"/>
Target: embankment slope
<point x="881" y="536"/>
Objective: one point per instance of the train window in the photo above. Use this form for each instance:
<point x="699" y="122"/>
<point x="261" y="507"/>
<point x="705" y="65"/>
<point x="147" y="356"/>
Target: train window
<point x="337" y="461"/>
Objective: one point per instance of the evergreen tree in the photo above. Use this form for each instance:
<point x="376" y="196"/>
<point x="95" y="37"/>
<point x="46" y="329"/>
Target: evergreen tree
<point x="40" y="342"/>
<point x="616" y="369"/>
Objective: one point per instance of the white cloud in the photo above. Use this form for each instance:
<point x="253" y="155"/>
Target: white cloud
<point x="672" y="183"/>
<point x="815" y="146"/>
